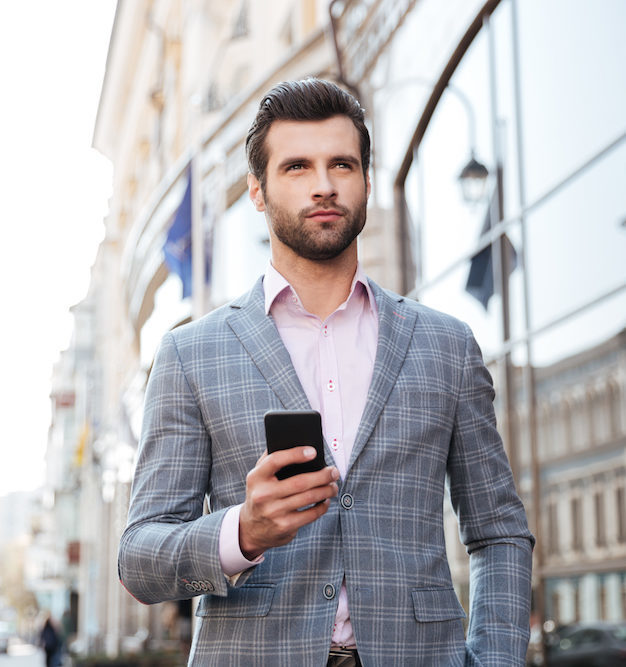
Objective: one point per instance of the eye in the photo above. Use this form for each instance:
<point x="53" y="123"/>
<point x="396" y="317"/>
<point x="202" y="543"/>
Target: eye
<point x="297" y="166"/>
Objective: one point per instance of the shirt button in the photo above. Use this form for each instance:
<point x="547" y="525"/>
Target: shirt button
<point x="330" y="386"/>
<point x="329" y="591"/>
<point x="325" y="331"/>
<point x="347" y="501"/>
<point x="334" y="444"/>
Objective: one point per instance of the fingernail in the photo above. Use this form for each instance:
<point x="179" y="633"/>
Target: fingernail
<point x="335" y="473"/>
<point x="309" y="452"/>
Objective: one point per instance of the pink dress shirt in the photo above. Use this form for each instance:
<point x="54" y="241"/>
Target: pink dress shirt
<point x="334" y="361"/>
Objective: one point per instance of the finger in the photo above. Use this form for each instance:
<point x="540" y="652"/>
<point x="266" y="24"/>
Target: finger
<point x="306" y="516"/>
<point x="284" y="457"/>
<point x="294" y="503"/>
<point x="303" y="483"/>
<point x="309" y="480"/>
<point x="283" y="528"/>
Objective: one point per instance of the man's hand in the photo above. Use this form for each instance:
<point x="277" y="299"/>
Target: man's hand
<point x="271" y="514"/>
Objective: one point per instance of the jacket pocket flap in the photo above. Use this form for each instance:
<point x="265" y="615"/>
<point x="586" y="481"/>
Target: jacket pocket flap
<point x="243" y="602"/>
<point x="436" y="604"/>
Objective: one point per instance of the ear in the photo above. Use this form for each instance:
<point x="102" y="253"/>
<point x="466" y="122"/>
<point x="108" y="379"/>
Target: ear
<point x="255" y="193"/>
<point x="368" y="184"/>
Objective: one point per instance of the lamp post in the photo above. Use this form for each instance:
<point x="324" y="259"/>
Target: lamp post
<point x="473" y="180"/>
<point x="539" y="588"/>
<point x="473" y="177"/>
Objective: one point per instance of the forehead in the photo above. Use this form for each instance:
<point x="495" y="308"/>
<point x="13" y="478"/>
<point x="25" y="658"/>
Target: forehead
<point x="312" y="139"/>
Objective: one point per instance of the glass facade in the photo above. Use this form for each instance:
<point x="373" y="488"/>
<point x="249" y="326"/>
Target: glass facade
<point x="538" y="97"/>
<point x="240" y="250"/>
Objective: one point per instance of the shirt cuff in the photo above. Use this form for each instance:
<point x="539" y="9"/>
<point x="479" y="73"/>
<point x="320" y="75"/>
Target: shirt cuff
<point x="233" y="562"/>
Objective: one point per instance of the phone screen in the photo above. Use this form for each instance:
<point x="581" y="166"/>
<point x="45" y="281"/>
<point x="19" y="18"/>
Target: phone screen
<point x="293" y="428"/>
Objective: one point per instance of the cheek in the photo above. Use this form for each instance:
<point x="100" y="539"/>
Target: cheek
<point x="359" y="193"/>
<point x="291" y="197"/>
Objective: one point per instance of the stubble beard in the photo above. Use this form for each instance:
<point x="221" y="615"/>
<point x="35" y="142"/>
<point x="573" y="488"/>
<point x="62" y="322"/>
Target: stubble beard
<point x="317" y="240"/>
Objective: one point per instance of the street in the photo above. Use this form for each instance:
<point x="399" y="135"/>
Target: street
<point x="22" y="655"/>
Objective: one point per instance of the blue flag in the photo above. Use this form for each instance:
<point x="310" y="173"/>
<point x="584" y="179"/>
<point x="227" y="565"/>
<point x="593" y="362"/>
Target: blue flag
<point x="177" y="248"/>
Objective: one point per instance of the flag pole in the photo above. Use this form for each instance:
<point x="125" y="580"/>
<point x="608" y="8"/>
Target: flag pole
<point x="198" y="299"/>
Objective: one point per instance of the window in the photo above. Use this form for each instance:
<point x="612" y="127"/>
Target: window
<point x="577" y="532"/>
<point x="553" y="529"/>
<point x="620" y="498"/>
<point x="600" y="529"/>
<point x="556" y="606"/>
<point x="604" y="602"/>
<point x="615" y="405"/>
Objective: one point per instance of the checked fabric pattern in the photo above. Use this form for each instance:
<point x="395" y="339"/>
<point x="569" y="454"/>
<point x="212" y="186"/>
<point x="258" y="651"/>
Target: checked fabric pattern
<point x="428" y="418"/>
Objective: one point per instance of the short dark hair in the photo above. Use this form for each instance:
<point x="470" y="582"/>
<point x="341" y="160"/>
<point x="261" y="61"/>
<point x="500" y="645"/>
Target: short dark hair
<point x="307" y="99"/>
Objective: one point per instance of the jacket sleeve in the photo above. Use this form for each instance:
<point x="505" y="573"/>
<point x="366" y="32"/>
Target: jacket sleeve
<point x="170" y="550"/>
<point x="492" y="523"/>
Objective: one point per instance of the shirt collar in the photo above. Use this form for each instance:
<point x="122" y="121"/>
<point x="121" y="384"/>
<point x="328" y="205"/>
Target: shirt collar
<point x="274" y="284"/>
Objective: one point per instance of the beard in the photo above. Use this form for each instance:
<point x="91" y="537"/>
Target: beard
<point x="317" y="240"/>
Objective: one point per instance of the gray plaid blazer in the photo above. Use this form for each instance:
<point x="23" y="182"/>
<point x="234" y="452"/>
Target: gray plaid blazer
<point x="429" y="417"/>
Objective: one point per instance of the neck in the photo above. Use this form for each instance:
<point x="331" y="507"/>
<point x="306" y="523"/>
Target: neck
<point x="321" y="285"/>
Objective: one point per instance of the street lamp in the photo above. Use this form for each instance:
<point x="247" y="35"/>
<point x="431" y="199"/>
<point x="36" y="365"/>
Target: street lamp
<point x="473" y="180"/>
<point x="473" y="176"/>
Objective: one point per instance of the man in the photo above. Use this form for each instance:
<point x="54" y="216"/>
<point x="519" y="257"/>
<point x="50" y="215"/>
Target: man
<point x="346" y="565"/>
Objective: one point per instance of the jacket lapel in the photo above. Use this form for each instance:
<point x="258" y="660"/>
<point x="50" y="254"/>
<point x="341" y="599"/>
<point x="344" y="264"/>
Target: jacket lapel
<point x="258" y="334"/>
<point x="396" y="323"/>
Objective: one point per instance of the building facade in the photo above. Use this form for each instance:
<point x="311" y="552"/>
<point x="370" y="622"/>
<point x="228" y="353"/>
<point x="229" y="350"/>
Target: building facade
<point x="519" y="97"/>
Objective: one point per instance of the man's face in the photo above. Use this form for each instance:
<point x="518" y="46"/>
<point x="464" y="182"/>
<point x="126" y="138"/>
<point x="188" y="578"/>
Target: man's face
<point x="315" y="195"/>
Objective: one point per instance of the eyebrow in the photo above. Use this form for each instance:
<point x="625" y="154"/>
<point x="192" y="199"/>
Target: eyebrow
<point x="347" y="158"/>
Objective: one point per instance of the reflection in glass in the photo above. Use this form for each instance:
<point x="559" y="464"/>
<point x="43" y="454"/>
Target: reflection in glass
<point x="576" y="243"/>
<point x="240" y="250"/>
<point x="574" y="97"/>
<point x="451" y="295"/>
<point x="578" y="381"/>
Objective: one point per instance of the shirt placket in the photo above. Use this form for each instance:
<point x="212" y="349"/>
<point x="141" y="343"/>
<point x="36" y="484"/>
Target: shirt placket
<point x="331" y="395"/>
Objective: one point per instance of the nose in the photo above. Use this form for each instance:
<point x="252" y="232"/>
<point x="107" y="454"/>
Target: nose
<point x="323" y="186"/>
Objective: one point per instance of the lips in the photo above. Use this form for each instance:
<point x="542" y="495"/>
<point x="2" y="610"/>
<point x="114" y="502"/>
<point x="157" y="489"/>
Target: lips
<point x="325" y="215"/>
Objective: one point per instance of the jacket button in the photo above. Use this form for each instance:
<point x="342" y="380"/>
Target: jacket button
<point x="347" y="501"/>
<point x="329" y="591"/>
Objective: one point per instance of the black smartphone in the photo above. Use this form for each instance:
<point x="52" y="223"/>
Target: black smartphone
<point x="285" y="429"/>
